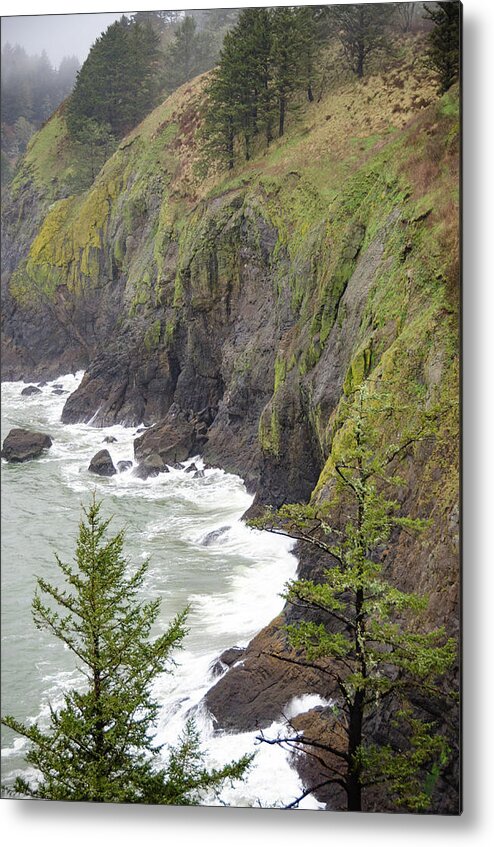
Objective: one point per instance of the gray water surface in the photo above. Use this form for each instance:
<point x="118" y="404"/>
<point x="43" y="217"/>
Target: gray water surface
<point x="233" y="582"/>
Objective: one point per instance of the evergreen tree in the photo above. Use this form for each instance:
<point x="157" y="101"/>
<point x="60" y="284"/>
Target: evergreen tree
<point x="267" y="58"/>
<point x="444" y="42"/>
<point x="221" y="120"/>
<point x="66" y="76"/>
<point x="116" y="84"/>
<point x="143" y="69"/>
<point x="99" y="745"/>
<point x="188" y="56"/>
<point x="355" y="625"/>
<point x="159" y="20"/>
<point x="286" y="59"/>
<point x="93" y="144"/>
<point x="309" y="46"/>
<point x="361" y="29"/>
<point x="406" y="14"/>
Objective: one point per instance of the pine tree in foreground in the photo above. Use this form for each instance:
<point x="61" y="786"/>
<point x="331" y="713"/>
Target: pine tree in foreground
<point x="361" y="632"/>
<point x="99" y="746"/>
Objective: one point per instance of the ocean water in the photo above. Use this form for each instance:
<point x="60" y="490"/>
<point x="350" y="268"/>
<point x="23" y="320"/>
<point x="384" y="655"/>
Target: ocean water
<point x="232" y="582"/>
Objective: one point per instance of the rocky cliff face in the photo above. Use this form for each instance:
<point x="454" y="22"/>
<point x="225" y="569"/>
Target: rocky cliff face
<point x="247" y="307"/>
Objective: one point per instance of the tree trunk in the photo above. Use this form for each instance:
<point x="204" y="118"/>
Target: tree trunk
<point x="360" y="61"/>
<point x="354" y="782"/>
<point x="281" y="128"/>
<point x="230" y="148"/>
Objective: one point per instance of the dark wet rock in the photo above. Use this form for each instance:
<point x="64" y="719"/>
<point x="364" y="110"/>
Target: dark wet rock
<point x="151" y="466"/>
<point x="191" y="468"/>
<point x="213" y="536"/>
<point x="109" y="439"/>
<point x="21" y="445"/>
<point x="228" y="658"/>
<point x="199" y="475"/>
<point x="102" y="464"/>
<point x="174" y="439"/>
<point x="56" y="385"/>
<point x="58" y="391"/>
<point x="177" y="466"/>
<point x="124" y="465"/>
<point x="254" y="692"/>
<point x="29" y="390"/>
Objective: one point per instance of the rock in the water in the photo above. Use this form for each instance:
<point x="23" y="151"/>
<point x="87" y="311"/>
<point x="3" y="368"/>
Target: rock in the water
<point x="20" y="445"/>
<point x="191" y="469"/>
<point x="30" y="389"/>
<point x="227" y="659"/>
<point x="174" y="439"/>
<point x="58" y="391"/>
<point x="199" y="475"/>
<point x="102" y="464"/>
<point x="254" y="692"/>
<point x="151" y="466"/>
<point x="124" y="465"/>
<point x="109" y="439"/>
<point x="213" y="536"/>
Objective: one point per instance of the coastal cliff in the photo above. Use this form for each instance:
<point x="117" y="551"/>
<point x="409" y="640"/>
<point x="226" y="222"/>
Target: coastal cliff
<point x="247" y="306"/>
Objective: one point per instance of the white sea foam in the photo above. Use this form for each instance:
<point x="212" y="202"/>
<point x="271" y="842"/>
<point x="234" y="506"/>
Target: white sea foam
<point x="233" y="579"/>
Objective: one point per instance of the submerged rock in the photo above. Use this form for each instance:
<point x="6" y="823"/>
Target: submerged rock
<point x="227" y="659"/>
<point x="213" y="536"/>
<point x="109" y="439"/>
<point x="20" y="445"/>
<point x="151" y="466"/>
<point x="124" y="465"/>
<point x="191" y="469"/>
<point x="102" y="464"/>
<point x="29" y="390"/>
<point x="199" y="475"/>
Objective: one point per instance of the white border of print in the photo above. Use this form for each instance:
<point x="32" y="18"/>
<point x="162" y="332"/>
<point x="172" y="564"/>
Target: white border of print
<point x="53" y="824"/>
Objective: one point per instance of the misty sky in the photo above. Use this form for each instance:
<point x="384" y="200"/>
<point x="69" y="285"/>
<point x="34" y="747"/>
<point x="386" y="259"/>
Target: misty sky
<point x="59" y="35"/>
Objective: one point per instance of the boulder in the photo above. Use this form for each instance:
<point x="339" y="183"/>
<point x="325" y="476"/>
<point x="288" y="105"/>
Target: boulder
<point x="109" y="439"/>
<point x="102" y="464"/>
<point x="174" y="439"/>
<point x="253" y="693"/>
<point x="226" y="660"/>
<point x="213" y="536"/>
<point x="199" y="475"/>
<point x="191" y="469"/>
<point x="124" y="465"/>
<point x="20" y="445"/>
<point x="151" y="466"/>
<point x="30" y="389"/>
<point x="58" y="391"/>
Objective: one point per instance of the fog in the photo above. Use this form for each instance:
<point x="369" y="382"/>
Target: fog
<point x="59" y="35"/>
